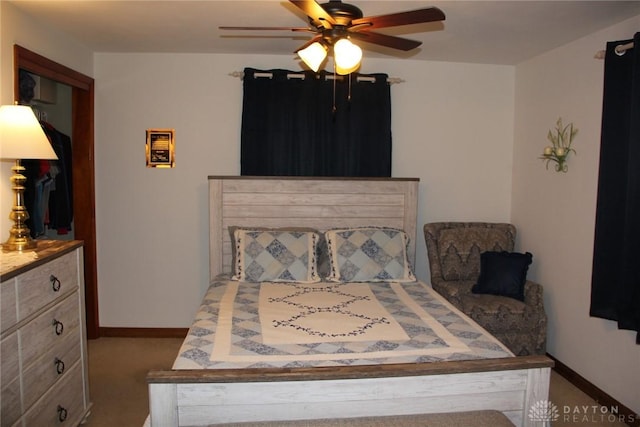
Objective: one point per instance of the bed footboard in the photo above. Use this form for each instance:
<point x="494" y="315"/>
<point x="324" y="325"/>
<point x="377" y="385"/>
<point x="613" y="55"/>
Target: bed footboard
<point x="205" y="397"/>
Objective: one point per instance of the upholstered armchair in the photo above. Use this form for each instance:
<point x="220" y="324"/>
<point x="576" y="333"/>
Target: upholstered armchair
<point x="454" y="250"/>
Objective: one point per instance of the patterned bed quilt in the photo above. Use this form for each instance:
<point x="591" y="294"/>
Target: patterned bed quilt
<point x="263" y="325"/>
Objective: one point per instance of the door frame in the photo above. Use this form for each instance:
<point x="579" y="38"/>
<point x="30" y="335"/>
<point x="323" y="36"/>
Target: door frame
<point x="83" y="179"/>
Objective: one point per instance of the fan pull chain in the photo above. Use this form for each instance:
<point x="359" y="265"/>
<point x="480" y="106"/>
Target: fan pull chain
<point x="349" y="94"/>
<point x="334" y="109"/>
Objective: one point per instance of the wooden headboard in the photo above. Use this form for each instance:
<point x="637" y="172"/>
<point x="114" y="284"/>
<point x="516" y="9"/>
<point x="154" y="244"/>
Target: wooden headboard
<point x="321" y="203"/>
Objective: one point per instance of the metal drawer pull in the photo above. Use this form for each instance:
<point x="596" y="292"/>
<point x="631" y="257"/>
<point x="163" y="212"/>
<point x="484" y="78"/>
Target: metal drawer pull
<point x="59" y="366"/>
<point x="62" y="414"/>
<point x="58" y="326"/>
<point x="55" y="283"/>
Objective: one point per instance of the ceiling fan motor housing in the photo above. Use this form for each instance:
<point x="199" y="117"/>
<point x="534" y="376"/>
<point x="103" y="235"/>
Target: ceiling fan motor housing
<point x="342" y="13"/>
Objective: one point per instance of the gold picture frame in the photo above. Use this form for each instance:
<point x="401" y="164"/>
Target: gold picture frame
<point x="160" y="148"/>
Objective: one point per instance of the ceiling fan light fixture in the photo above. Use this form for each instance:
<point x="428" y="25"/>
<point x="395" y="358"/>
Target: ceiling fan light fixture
<point x="334" y="20"/>
<point x="347" y="56"/>
<point x="313" y="55"/>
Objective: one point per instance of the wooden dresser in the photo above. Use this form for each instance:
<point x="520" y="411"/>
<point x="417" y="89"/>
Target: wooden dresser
<point x="43" y="348"/>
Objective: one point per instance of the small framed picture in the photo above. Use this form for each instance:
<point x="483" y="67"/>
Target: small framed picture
<point x="160" y="148"/>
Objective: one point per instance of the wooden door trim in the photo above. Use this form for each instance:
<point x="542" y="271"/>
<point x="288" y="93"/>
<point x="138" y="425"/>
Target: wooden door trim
<point x="83" y="178"/>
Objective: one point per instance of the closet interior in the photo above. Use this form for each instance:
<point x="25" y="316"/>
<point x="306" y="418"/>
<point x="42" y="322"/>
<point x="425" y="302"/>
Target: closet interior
<point x="49" y="193"/>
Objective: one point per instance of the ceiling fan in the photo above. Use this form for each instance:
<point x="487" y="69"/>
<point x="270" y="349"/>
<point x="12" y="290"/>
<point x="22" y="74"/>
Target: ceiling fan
<point x="336" y="23"/>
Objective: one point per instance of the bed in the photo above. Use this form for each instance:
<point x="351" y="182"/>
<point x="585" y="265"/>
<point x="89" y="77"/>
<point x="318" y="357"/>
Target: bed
<point x="460" y="367"/>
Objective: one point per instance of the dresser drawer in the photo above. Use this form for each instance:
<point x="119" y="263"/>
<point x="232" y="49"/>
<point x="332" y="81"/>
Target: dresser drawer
<point x="9" y="380"/>
<point x="50" y="328"/>
<point x="10" y="403"/>
<point x="63" y="404"/>
<point x="9" y="368"/>
<point x="45" y="283"/>
<point x="8" y="313"/>
<point x="50" y="367"/>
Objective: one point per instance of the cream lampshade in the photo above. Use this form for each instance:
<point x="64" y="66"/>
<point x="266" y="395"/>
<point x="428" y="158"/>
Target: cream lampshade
<point x="21" y="137"/>
<point x="313" y="55"/>
<point x="347" y="56"/>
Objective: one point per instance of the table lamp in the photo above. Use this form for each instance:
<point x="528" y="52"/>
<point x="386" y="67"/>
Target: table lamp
<point x="21" y="137"/>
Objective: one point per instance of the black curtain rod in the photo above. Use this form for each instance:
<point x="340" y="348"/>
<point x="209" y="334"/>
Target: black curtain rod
<point x="240" y="75"/>
<point x="621" y="49"/>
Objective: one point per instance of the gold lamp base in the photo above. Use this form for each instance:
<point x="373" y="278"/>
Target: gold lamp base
<point x="19" y="244"/>
<point x="19" y="235"/>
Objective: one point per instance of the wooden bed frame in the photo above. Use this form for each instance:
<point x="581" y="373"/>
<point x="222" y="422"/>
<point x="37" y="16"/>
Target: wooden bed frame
<point x="204" y="397"/>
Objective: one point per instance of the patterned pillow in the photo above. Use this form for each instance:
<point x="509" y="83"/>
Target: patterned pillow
<point x="232" y="234"/>
<point x="275" y="256"/>
<point x="368" y="254"/>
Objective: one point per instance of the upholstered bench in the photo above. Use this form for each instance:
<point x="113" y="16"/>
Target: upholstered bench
<point x="454" y="419"/>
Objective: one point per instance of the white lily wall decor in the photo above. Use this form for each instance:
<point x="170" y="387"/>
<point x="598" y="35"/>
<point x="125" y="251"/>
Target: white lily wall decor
<point x="561" y="139"/>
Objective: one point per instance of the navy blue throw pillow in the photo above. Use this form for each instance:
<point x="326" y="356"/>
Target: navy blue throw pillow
<point x="503" y="273"/>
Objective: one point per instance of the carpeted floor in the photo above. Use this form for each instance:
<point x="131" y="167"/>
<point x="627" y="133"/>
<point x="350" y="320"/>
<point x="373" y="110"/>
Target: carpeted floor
<point x="118" y="389"/>
<point x="117" y="377"/>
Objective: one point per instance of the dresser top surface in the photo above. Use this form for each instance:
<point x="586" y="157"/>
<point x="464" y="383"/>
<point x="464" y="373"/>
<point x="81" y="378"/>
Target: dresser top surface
<point x="16" y="262"/>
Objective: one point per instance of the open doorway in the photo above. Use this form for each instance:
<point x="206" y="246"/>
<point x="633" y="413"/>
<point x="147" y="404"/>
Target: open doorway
<point x="82" y="111"/>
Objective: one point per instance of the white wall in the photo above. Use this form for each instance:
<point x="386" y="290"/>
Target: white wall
<point x="452" y="127"/>
<point x="555" y="212"/>
<point x="18" y="28"/>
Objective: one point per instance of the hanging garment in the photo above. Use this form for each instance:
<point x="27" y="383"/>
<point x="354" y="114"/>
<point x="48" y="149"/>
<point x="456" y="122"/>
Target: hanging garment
<point x="61" y="200"/>
<point x="48" y="195"/>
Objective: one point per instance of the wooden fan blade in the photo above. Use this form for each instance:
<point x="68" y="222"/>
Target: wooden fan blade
<point x="309" y="43"/>
<point x="315" y="12"/>
<point x="385" y="40"/>
<point x="269" y="28"/>
<point x="402" y="18"/>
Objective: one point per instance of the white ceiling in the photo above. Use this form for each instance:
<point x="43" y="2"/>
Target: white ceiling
<point x="491" y="32"/>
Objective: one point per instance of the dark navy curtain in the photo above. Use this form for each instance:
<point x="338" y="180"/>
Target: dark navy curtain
<point x="615" y="288"/>
<point x="300" y="123"/>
